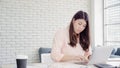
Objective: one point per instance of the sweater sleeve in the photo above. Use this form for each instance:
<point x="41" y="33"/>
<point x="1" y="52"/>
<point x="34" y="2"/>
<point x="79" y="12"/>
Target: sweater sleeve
<point x="58" y="42"/>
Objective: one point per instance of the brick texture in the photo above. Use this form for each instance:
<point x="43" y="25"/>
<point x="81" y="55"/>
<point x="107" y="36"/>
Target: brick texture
<point x="27" y="25"/>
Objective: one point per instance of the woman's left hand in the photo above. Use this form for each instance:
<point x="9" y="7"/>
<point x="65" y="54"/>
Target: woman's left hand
<point x="87" y="54"/>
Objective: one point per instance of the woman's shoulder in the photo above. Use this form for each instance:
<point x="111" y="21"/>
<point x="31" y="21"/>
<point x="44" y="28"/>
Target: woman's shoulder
<point x="62" y="31"/>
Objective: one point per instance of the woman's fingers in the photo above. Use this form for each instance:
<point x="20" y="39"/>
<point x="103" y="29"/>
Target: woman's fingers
<point x="80" y="58"/>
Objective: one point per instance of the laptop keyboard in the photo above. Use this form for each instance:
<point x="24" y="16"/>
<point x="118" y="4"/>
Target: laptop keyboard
<point x="104" y="66"/>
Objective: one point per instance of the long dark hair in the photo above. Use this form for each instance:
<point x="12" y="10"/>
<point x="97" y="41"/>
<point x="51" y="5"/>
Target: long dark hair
<point x="84" y="35"/>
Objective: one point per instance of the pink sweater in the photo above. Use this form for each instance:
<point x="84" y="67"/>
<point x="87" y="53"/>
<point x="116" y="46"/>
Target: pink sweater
<point x="60" y="46"/>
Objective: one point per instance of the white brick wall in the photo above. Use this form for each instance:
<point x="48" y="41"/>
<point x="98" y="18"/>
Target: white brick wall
<point x="27" y="25"/>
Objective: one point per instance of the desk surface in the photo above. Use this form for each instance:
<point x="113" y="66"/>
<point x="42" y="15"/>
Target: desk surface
<point x="58" y="65"/>
<point x="65" y="65"/>
<point x="51" y="65"/>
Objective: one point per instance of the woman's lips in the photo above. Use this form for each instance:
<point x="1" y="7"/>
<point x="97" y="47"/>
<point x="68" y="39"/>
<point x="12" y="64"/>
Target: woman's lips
<point x="78" y="30"/>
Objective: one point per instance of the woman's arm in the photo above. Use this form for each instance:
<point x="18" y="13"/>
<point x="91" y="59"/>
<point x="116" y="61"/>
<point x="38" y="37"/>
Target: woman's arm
<point x="56" y="53"/>
<point x="58" y="42"/>
<point x="88" y="53"/>
<point x="71" y="57"/>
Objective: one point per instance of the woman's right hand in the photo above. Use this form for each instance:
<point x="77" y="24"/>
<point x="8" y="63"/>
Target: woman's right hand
<point x="79" y="58"/>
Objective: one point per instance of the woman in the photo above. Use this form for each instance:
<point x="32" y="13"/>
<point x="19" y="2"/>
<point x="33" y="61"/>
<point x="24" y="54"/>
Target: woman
<point x="73" y="42"/>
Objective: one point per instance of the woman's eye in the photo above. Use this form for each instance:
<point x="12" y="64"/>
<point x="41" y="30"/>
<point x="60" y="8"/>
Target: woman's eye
<point x="79" y="23"/>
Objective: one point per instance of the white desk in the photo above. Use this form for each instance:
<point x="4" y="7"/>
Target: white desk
<point x="114" y="61"/>
<point x="50" y="65"/>
<point x="58" y="65"/>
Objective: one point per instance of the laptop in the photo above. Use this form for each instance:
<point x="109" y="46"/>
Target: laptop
<point x="100" y="55"/>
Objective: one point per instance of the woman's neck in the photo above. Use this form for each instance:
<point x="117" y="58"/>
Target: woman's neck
<point x="77" y="36"/>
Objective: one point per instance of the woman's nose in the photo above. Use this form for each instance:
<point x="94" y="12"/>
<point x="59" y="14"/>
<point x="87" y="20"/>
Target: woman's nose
<point x="80" y="27"/>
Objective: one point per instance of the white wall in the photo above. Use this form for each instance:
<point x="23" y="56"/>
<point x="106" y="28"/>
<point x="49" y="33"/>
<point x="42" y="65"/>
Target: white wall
<point x="97" y="19"/>
<point x="27" y="25"/>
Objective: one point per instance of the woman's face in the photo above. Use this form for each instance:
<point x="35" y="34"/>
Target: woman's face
<point x="79" y="25"/>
